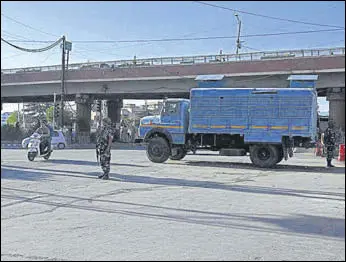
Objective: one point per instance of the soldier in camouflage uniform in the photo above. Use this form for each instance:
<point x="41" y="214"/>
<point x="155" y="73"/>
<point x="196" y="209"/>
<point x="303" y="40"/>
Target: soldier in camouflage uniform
<point x="329" y="143"/>
<point x="103" y="146"/>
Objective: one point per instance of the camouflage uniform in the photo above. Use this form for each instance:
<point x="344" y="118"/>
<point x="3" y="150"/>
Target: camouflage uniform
<point x="329" y="142"/>
<point x="103" y="135"/>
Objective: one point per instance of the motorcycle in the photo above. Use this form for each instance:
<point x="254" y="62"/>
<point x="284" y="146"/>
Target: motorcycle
<point x="34" y="148"/>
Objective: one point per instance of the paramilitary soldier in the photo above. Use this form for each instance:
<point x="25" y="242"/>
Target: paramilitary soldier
<point x="329" y="143"/>
<point x="103" y="146"/>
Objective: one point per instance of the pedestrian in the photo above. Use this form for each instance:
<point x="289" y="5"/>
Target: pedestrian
<point x="329" y="143"/>
<point x="103" y="146"/>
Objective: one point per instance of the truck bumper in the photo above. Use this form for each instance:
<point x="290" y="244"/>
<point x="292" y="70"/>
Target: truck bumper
<point x="138" y="140"/>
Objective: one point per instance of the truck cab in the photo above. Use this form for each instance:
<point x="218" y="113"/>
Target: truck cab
<point x="167" y="131"/>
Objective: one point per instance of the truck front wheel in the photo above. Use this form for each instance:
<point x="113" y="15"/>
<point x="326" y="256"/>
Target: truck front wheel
<point x="264" y="155"/>
<point x="158" y="150"/>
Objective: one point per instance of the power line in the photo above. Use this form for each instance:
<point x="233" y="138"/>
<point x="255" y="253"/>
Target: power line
<point x="189" y="35"/>
<point x="184" y="39"/>
<point x="251" y="48"/>
<point x="19" y="38"/>
<point x="267" y="16"/>
<point x="28" y="26"/>
<point x="8" y="57"/>
<point x="33" y="50"/>
<point x="13" y="35"/>
<point x="114" y="47"/>
<point x="48" y="56"/>
<point x="103" y="51"/>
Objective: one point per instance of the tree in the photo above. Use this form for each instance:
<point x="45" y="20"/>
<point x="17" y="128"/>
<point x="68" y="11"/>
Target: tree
<point x="49" y="114"/>
<point x="13" y="118"/>
<point x="33" y="111"/>
<point x="68" y="115"/>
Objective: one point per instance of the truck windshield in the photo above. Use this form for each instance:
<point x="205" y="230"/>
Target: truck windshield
<point x="169" y="108"/>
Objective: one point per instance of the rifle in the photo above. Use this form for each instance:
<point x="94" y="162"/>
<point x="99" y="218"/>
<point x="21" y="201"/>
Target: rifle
<point x="97" y="155"/>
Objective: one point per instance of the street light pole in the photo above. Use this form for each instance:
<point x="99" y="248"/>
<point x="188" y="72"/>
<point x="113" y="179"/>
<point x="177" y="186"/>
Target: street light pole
<point x="18" y="116"/>
<point x="238" y="37"/>
<point x="62" y="82"/>
<point x="23" y="116"/>
<point x="54" y="110"/>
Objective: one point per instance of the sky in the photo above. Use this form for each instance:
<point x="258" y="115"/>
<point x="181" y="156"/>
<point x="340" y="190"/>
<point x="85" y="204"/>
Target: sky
<point x="131" y="20"/>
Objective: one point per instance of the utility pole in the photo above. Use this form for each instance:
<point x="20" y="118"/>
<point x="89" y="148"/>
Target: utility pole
<point x="18" y="115"/>
<point x="62" y="83"/>
<point x="23" y="116"/>
<point x="54" y="110"/>
<point x="238" y="37"/>
<point x="68" y="56"/>
<point x="100" y="111"/>
<point x="146" y="107"/>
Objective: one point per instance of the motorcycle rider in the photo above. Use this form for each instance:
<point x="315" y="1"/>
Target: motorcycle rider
<point x="46" y="136"/>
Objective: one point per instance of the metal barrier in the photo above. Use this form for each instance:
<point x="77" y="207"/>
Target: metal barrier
<point x="186" y="60"/>
<point x="83" y="138"/>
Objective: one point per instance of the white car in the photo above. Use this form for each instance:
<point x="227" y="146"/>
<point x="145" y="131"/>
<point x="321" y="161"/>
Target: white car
<point x="58" y="140"/>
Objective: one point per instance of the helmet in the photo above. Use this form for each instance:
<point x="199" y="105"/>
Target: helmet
<point x="331" y="124"/>
<point x="42" y="120"/>
<point x="106" y="121"/>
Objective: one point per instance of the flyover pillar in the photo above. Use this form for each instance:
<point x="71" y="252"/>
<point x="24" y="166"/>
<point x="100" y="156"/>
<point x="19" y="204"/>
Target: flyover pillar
<point x="336" y="98"/>
<point x="83" y="119"/>
<point x="114" y="112"/>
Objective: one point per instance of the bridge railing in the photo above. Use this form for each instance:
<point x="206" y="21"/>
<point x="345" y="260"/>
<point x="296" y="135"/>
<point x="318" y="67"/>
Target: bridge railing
<point x="186" y="60"/>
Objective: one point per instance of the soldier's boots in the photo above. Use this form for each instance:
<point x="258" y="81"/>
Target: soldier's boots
<point x="104" y="176"/>
<point x="329" y="163"/>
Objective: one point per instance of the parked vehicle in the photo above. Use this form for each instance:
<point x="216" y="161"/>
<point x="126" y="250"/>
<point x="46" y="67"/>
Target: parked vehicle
<point x="266" y="123"/>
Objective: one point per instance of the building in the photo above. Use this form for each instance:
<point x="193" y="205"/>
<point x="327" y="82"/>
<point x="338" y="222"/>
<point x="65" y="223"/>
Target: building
<point x="4" y="117"/>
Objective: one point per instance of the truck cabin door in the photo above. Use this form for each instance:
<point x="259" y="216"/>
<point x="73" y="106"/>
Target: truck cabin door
<point x="170" y="114"/>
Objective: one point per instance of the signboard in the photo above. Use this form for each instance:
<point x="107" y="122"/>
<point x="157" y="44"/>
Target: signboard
<point x="68" y="46"/>
<point x="302" y="81"/>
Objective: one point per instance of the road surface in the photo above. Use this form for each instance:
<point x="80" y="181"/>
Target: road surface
<point x="205" y="207"/>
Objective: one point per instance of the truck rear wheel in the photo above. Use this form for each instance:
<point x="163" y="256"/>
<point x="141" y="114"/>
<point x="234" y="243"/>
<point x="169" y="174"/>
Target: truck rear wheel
<point x="180" y="155"/>
<point x="158" y="150"/>
<point x="264" y="155"/>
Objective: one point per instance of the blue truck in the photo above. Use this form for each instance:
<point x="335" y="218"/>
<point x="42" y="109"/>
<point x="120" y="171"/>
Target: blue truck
<point x="266" y="123"/>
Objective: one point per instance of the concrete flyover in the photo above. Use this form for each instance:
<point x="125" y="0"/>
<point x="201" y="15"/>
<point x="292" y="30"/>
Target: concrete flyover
<point x="174" y="77"/>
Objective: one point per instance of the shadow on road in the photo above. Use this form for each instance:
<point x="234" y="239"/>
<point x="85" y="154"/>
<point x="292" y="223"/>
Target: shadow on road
<point x="86" y="163"/>
<point x="230" y="187"/>
<point x="168" y="181"/>
<point x="301" y="224"/>
<point x="23" y="175"/>
<point x="26" y="173"/>
<point x="277" y="168"/>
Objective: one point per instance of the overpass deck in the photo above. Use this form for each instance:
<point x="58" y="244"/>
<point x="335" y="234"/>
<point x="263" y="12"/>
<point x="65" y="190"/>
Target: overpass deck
<point x="285" y="62"/>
